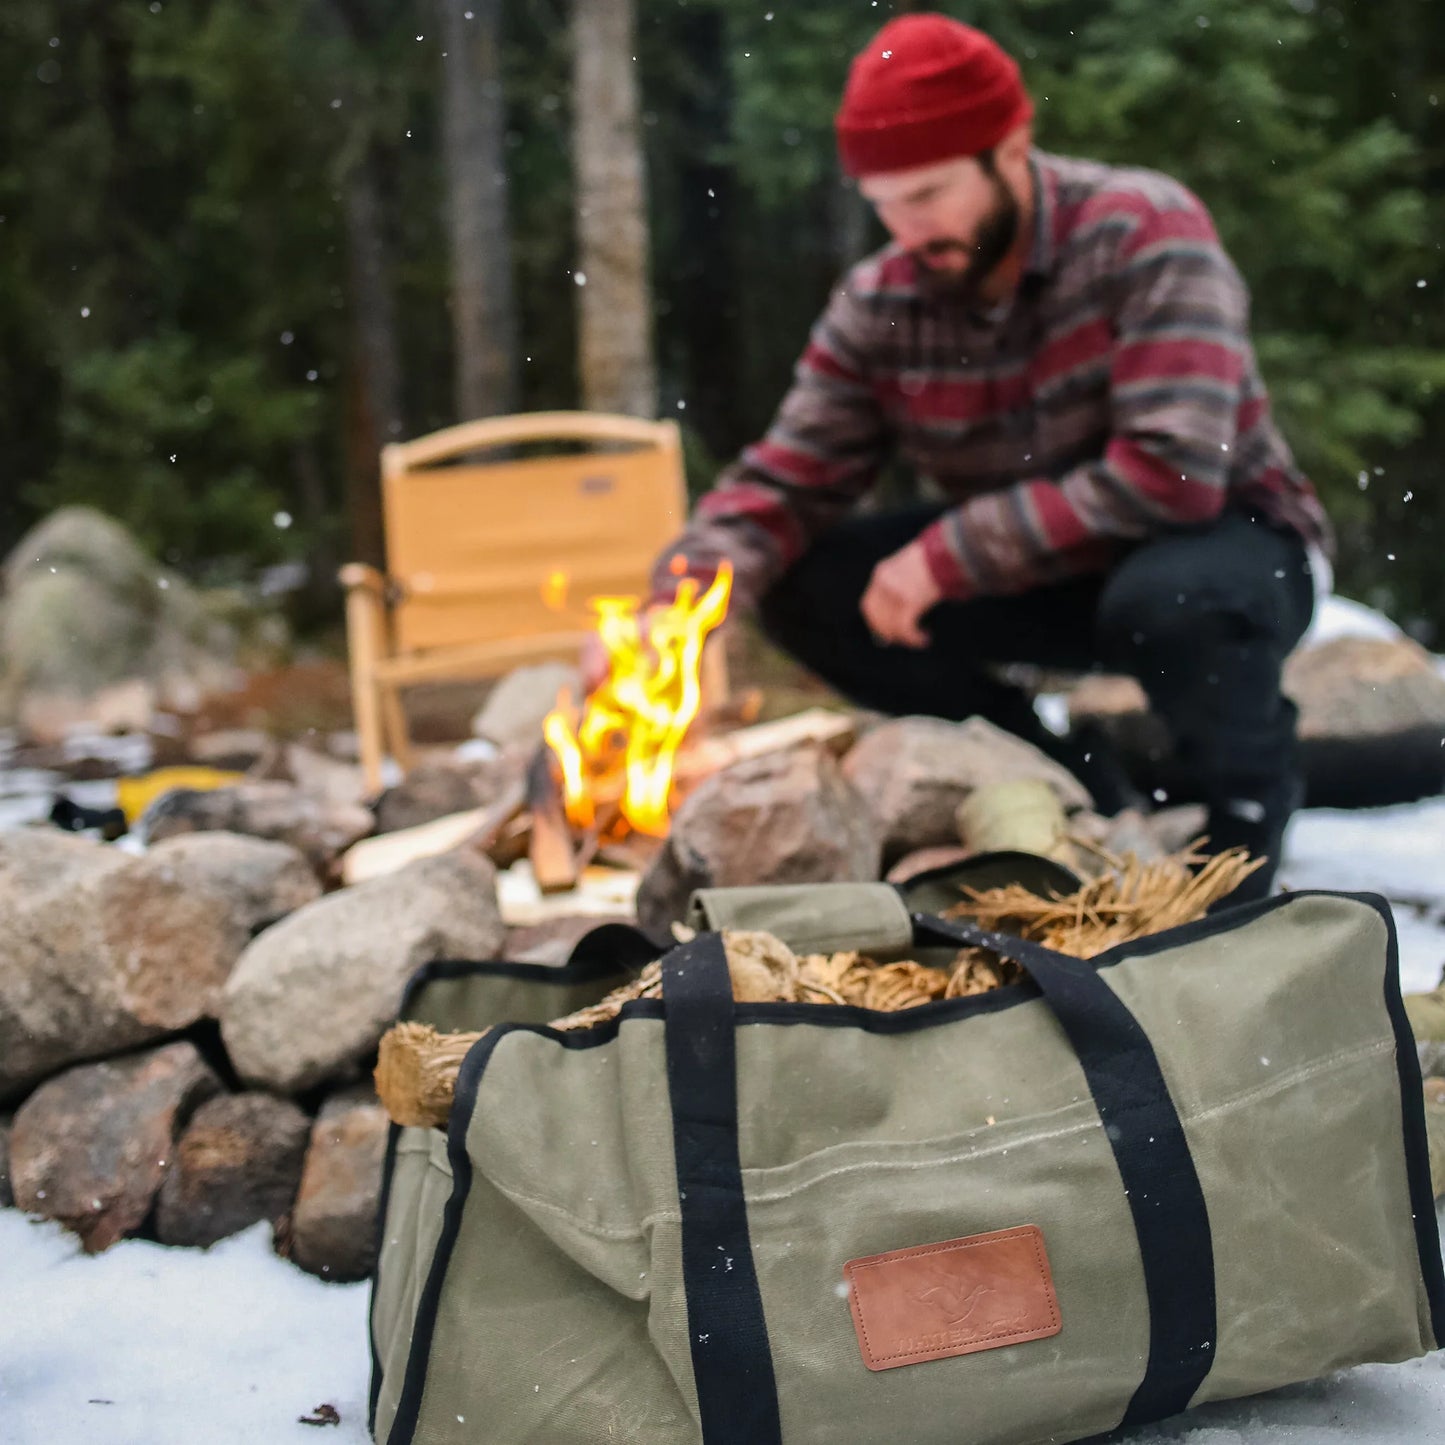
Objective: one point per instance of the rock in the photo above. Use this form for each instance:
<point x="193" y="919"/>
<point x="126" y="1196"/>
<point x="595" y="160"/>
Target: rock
<point x="238" y="1161"/>
<point x="230" y="749"/>
<point x="310" y="997"/>
<point x="1128" y="831"/>
<point x="1347" y="687"/>
<point x="260" y="881"/>
<point x="92" y="1146"/>
<point x="1426" y="1012"/>
<point x="1174" y="829"/>
<point x="786" y="817"/>
<point x="1435" y="1133"/>
<point x="1365" y="686"/>
<point x="120" y="707"/>
<point x="437" y="790"/>
<point x="278" y="811"/>
<point x="86" y="608"/>
<point x="333" y="1226"/>
<point x="1371" y="719"/>
<point x="344" y="746"/>
<point x="913" y="773"/>
<point x="924" y="860"/>
<point x="551" y="942"/>
<point x="100" y="951"/>
<point x="515" y="708"/>
<point x="332" y="782"/>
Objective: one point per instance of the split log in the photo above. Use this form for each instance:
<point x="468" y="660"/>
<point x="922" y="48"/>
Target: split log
<point x="700" y="759"/>
<point x="552" y="851"/>
<point x="480" y="829"/>
<point x="833" y="730"/>
<point x="609" y="892"/>
<point x="505" y="832"/>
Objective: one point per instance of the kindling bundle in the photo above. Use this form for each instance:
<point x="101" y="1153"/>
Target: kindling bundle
<point x="417" y="1066"/>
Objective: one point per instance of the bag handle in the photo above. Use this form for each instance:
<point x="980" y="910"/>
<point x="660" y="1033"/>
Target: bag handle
<point x="729" y="1340"/>
<point x="732" y="1362"/>
<point x="1165" y="1196"/>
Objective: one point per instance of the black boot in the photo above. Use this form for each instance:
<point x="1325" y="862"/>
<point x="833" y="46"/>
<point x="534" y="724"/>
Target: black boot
<point x="1089" y="754"/>
<point x="1254" y="817"/>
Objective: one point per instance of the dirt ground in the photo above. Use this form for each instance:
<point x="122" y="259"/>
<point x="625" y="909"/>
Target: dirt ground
<point x="313" y="694"/>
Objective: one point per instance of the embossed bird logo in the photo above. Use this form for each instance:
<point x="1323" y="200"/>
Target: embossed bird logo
<point x="955" y="1299"/>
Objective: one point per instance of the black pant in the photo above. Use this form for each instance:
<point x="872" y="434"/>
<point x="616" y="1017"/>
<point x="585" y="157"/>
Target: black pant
<point x="1203" y="617"/>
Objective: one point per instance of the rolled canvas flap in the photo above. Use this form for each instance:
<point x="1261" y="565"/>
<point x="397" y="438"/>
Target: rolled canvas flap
<point x="812" y="917"/>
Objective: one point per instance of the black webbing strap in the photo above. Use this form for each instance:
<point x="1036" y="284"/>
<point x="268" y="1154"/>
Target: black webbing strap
<point x="732" y="1363"/>
<point x="1143" y="1128"/>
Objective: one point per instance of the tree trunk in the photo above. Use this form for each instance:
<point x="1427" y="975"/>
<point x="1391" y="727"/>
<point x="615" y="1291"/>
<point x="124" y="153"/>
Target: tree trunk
<point x="705" y="276"/>
<point x="617" y="367"/>
<point x="847" y="222"/>
<point x="319" y="601"/>
<point x="484" y="323"/>
<point x="376" y="355"/>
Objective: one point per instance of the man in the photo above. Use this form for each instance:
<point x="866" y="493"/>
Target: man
<point x="1060" y="349"/>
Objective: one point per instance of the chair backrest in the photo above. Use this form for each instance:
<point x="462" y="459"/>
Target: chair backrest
<point x="473" y="540"/>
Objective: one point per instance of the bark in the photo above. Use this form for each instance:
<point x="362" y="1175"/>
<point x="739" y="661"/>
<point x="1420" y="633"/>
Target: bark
<point x="847" y="222"/>
<point x="617" y="366"/>
<point x="374" y="390"/>
<point x="706" y="298"/>
<point x="376" y="354"/>
<point x="484" y="323"/>
<point x="316" y="508"/>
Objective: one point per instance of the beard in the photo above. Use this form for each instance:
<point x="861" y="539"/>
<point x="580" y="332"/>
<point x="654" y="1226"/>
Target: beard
<point x="995" y="239"/>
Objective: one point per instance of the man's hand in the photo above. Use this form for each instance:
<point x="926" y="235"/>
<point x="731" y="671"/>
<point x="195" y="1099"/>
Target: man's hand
<point x="593" y="664"/>
<point x="900" y="591"/>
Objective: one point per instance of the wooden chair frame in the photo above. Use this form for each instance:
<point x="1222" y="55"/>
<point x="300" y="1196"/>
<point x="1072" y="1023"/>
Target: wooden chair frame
<point x="380" y="669"/>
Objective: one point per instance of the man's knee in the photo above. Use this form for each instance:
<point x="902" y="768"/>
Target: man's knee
<point x="1143" y="610"/>
<point x="1232" y="584"/>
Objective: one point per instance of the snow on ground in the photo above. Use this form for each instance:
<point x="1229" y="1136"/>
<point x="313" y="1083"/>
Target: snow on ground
<point x="231" y="1346"/>
<point x="1340" y="617"/>
<point x="145" y="1345"/>
<point x="1399" y="852"/>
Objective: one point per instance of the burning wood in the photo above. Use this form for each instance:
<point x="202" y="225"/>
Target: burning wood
<point x="552" y="850"/>
<point x="631" y="727"/>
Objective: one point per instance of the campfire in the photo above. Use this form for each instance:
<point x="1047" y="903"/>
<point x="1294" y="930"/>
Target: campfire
<point x="644" y="790"/>
<point x="617" y="751"/>
<point x="600" y="790"/>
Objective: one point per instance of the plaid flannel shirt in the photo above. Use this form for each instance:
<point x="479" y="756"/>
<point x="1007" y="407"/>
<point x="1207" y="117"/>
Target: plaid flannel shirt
<point x="1114" y="397"/>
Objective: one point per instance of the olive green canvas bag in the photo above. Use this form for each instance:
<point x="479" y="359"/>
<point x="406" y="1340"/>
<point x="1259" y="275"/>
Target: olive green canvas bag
<point x="1191" y="1169"/>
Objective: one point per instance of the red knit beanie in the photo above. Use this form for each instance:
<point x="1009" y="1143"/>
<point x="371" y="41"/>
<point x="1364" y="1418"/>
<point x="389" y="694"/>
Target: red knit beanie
<point x="926" y="89"/>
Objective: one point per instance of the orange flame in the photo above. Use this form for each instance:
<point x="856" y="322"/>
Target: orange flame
<point x="645" y="706"/>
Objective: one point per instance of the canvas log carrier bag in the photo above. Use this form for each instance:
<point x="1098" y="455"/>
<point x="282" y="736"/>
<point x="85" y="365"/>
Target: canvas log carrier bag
<point x="1190" y="1169"/>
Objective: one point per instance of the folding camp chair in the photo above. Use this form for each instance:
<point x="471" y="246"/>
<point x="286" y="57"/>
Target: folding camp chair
<point x="487" y="525"/>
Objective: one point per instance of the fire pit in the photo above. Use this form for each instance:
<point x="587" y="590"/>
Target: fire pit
<point x="594" y="803"/>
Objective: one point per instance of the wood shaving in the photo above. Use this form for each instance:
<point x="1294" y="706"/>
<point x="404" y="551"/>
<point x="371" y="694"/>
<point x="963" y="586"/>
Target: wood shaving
<point x="417" y="1067"/>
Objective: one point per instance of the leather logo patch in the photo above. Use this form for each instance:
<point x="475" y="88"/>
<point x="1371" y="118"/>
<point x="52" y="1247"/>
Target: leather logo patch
<point x="954" y="1298"/>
